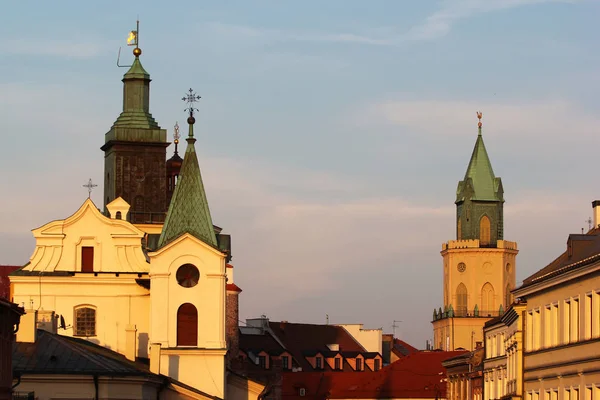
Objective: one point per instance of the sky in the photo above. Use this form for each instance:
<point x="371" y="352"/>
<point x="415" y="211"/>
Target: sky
<point x="331" y="135"/>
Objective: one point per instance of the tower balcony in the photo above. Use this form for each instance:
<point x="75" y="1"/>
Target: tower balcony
<point x="450" y="312"/>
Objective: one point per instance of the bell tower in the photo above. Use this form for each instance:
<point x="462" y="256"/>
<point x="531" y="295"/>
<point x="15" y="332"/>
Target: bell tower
<point x="479" y="266"/>
<point x="135" y="150"/>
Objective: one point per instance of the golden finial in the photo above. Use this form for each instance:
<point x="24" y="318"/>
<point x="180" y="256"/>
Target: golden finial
<point x="479" y="115"/>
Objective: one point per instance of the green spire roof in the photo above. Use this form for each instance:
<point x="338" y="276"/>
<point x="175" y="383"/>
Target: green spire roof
<point x="188" y="211"/>
<point x="481" y="175"/>
<point x="136" y="71"/>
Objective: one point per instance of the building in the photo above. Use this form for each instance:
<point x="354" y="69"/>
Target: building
<point x="10" y="315"/>
<point x="503" y="364"/>
<point x="5" y="271"/>
<point x="465" y="375"/>
<point x="150" y="286"/>
<point x="416" y="376"/>
<point x="562" y="322"/>
<point x="479" y="266"/>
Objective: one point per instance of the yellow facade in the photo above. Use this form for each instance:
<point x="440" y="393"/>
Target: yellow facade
<point x="562" y="335"/>
<point x="133" y="297"/>
<point x="477" y="284"/>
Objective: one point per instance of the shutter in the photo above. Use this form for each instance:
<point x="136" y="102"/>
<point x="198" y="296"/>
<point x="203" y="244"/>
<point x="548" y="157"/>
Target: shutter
<point x="87" y="259"/>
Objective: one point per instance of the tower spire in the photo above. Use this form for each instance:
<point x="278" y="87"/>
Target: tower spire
<point x="479" y="115"/>
<point x="189" y="211"/>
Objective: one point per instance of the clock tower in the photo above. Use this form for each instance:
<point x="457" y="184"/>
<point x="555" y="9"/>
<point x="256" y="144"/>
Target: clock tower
<point x="479" y="266"/>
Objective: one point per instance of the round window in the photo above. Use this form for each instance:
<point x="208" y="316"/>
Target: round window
<point x="187" y="276"/>
<point x="461" y="267"/>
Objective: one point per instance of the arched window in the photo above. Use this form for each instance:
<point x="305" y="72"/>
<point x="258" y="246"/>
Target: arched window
<point x="85" y="321"/>
<point x="484" y="230"/>
<point x="487" y="299"/>
<point x="459" y="230"/>
<point x="461" y="300"/>
<point x="118" y="215"/>
<point x="187" y="325"/>
<point x="507" y="297"/>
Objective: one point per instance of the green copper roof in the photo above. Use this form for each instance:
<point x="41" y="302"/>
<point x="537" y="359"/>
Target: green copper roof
<point x="137" y="71"/>
<point x="481" y="175"/>
<point x="188" y="211"/>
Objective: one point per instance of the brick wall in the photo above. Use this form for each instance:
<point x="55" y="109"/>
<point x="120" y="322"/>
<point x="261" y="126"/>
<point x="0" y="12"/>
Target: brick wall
<point x="232" y="333"/>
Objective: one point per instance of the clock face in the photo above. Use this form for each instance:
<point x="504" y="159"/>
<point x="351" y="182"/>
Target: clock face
<point x="187" y="276"/>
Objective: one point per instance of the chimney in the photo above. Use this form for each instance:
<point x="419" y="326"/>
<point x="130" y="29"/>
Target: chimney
<point x="232" y="315"/>
<point x="28" y="327"/>
<point x="596" y="208"/>
<point x="130" y="342"/>
<point x="282" y="325"/>
<point x="155" y="358"/>
<point x="47" y="321"/>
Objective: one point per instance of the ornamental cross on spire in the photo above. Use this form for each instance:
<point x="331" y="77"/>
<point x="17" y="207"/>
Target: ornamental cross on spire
<point x="90" y="186"/>
<point x="479" y="115"/>
<point x="190" y="99"/>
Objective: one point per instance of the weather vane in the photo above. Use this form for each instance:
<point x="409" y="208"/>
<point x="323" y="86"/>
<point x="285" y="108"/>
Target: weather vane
<point x="190" y="99"/>
<point x="132" y="40"/>
<point x="90" y="186"/>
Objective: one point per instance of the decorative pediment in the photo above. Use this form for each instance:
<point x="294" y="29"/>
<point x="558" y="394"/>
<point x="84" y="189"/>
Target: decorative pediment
<point x="88" y="236"/>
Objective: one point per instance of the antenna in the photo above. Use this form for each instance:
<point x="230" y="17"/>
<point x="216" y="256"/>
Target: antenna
<point x="326" y="319"/>
<point x="589" y="222"/>
<point x="394" y="326"/>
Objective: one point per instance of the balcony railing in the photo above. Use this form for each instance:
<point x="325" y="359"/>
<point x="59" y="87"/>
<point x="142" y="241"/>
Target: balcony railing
<point x="464" y="313"/>
<point x="23" y="396"/>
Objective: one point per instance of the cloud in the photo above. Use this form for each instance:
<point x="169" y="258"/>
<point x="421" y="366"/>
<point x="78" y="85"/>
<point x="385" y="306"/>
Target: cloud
<point x="434" y="26"/>
<point x="534" y="119"/>
<point x="68" y="48"/>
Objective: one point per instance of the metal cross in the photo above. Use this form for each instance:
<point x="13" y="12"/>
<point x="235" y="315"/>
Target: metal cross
<point x="190" y="99"/>
<point x="90" y="186"/>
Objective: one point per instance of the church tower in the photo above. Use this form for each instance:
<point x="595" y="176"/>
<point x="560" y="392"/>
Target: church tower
<point x="479" y="266"/>
<point x="135" y="151"/>
<point x="188" y="285"/>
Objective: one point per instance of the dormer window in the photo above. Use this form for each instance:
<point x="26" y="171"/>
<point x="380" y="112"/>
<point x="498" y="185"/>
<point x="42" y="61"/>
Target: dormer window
<point x="262" y="362"/>
<point x="377" y="364"/>
<point x="285" y="362"/>
<point x="359" y="364"/>
<point x="338" y="364"/>
<point x="319" y="362"/>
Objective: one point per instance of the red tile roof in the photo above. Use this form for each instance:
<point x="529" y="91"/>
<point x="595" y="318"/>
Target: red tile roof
<point x="418" y="375"/>
<point x="299" y="338"/>
<point x="232" y="287"/>
<point x="5" y="270"/>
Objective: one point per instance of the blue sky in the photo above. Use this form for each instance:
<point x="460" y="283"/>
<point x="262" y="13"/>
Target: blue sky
<point x="331" y="134"/>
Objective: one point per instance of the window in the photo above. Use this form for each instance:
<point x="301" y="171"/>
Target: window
<point x="461" y="300"/>
<point x="187" y="325"/>
<point x="319" y="362"/>
<point x="87" y="259"/>
<point x="85" y="321"/>
<point x="575" y="320"/>
<point x="187" y="276"/>
<point x="484" y="231"/>
<point x="338" y="363"/>
<point x="285" y="362"/>
<point x="118" y="215"/>
<point x="567" y="321"/>
<point x="302" y="392"/>
<point x="359" y="364"/>
<point x="459" y="230"/>
<point x="530" y="333"/>
<point x="262" y="361"/>
<point x="537" y="328"/>
<point x="487" y="299"/>
<point x="377" y="364"/>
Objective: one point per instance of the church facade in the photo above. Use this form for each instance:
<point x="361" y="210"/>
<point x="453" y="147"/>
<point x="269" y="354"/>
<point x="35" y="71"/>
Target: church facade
<point x="479" y="266"/>
<point x="147" y="277"/>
